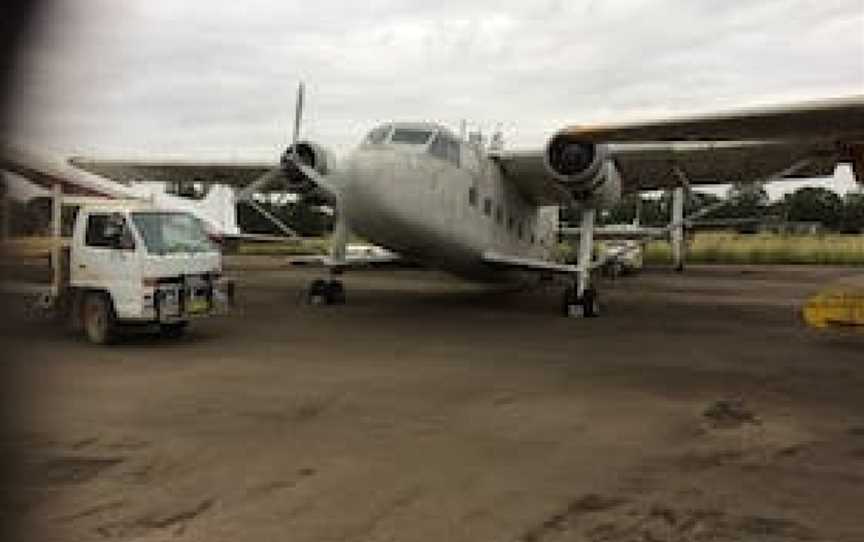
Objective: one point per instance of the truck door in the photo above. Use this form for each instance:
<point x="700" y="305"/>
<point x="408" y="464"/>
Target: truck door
<point x="103" y="257"/>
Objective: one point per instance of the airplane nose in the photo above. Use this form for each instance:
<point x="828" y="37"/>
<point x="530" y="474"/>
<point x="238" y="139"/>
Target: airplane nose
<point x="374" y="205"/>
<point x="371" y="172"/>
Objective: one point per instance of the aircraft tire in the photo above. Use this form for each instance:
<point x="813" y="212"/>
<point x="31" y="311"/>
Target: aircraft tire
<point x="318" y="293"/>
<point x="336" y="292"/>
<point x="590" y="303"/>
<point x="570" y="306"/>
<point x="173" y="331"/>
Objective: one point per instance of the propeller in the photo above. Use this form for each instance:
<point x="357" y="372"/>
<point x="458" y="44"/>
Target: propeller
<point x="298" y="117"/>
<point x="291" y="165"/>
<point x="266" y="178"/>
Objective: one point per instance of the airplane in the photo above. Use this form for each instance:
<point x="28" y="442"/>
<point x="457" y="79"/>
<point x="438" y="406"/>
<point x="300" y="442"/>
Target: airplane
<point x="29" y="174"/>
<point x="490" y="214"/>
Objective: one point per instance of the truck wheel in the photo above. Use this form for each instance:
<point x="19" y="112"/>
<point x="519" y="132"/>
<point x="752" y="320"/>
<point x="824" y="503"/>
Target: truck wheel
<point x="99" y="319"/>
<point x="173" y="331"/>
<point x="75" y="314"/>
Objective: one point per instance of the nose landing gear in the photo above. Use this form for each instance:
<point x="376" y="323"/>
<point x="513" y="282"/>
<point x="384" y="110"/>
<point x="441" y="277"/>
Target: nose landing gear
<point x="326" y="292"/>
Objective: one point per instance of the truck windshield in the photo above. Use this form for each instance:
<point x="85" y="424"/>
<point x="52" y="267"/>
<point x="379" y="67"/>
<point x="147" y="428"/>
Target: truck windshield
<point x="170" y="232"/>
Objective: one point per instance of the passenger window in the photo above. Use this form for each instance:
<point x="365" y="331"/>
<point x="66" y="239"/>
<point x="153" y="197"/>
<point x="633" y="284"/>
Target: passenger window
<point x="99" y="228"/>
<point x="472" y="196"/>
<point x="487" y="206"/>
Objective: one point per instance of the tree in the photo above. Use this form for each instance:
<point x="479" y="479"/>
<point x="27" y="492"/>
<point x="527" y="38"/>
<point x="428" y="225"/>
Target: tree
<point x="746" y="200"/>
<point x="853" y="213"/>
<point x="814" y="204"/>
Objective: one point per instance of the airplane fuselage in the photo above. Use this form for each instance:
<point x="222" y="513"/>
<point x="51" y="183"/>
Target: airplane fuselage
<point x="441" y="202"/>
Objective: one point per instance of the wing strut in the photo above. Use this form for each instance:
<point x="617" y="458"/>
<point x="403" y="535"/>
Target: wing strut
<point x="272" y="219"/>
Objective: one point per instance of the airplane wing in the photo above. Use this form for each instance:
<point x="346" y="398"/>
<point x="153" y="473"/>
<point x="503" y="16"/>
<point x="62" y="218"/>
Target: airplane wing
<point x="826" y="120"/>
<point x="40" y="170"/>
<point x="129" y="171"/>
<point x="712" y="149"/>
<point x="251" y="176"/>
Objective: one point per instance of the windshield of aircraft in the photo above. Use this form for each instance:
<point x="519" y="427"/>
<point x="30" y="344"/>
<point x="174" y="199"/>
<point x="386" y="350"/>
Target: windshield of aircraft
<point x="411" y="136"/>
<point x="378" y="135"/>
<point x="172" y="232"/>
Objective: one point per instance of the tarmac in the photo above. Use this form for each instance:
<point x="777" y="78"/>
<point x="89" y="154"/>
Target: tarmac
<point x="698" y="407"/>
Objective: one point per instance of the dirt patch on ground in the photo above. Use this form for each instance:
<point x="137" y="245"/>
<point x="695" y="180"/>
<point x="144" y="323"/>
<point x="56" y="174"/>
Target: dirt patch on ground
<point x="428" y="409"/>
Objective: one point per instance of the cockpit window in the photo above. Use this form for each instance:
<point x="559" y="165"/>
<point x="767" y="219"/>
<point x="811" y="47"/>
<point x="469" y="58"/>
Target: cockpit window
<point x="411" y="136"/>
<point x="378" y="135"/>
<point x="446" y="148"/>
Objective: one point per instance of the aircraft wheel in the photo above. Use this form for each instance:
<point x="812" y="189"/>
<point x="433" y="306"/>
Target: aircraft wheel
<point x="571" y="306"/>
<point x="173" y="331"/>
<point x="590" y="303"/>
<point x="318" y="293"/>
<point x="336" y="292"/>
<point x="588" y="306"/>
<point x="99" y="319"/>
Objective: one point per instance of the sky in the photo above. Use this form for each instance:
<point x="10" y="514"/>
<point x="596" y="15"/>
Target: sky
<point x="204" y="79"/>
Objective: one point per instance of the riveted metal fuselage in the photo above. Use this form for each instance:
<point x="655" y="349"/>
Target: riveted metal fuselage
<point x="439" y="213"/>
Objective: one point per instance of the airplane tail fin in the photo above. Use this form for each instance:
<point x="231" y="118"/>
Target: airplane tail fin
<point x="219" y="207"/>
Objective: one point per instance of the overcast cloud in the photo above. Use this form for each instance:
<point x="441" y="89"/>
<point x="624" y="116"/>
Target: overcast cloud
<point x="208" y="79"/>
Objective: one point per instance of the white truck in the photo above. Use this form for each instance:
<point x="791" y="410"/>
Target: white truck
<point x="129" y="263"/>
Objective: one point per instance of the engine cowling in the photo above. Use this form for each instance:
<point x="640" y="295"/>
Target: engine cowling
<point x="585" y="168"/>
<point x="309" y="154"/>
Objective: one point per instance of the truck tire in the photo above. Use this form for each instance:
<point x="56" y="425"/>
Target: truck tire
<point x="173" y="331"/>
<point x="75" y="313"/>
<point x="100" y="322"/>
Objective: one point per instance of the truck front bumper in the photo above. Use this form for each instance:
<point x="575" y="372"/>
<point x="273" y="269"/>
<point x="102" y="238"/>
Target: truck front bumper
<point x="193" y="297"/>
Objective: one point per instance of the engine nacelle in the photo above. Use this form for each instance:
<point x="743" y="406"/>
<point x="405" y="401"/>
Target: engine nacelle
<point x="584" y="168"/>
<point x="309" y="154"/>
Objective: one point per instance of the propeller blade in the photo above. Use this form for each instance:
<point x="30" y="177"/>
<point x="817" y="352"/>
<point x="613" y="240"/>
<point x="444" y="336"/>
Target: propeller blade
<point x="298" y="116"/>
<point x="258" y="184"/>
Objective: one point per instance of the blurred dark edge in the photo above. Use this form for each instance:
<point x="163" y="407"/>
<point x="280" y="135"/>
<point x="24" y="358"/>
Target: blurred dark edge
<point x="17" y="29"/>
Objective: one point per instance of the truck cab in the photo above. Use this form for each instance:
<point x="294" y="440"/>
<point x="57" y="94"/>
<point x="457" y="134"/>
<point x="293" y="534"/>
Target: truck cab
<point x="133" y="263"/>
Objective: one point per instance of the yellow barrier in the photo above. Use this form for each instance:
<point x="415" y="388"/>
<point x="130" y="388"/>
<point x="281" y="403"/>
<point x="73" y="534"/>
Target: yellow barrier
<point x="841" y="307"/>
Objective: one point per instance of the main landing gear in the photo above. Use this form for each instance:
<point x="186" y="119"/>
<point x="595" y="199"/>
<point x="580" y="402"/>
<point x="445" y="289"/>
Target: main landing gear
<point x="585" y="306"/>
<point x="326" y="292"/>
<point x="580" y="298"/>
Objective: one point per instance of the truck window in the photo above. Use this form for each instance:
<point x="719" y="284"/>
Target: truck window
<point x="95" y="234"/>
<point x="168" y="232"/>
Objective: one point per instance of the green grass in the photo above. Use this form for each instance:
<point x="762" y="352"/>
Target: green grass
<point x="709" y="248"/>
<point x="728" y="248"/>
<point x="286" y="248"/>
